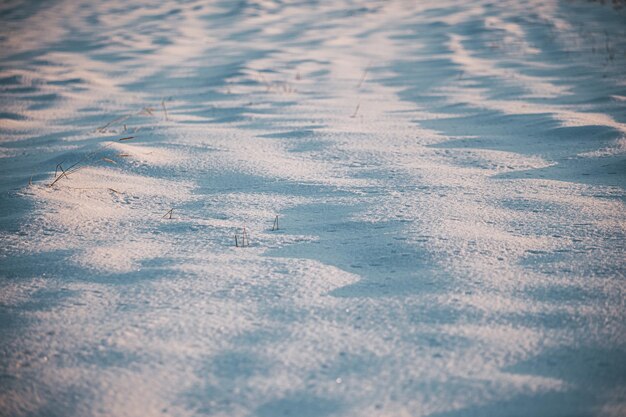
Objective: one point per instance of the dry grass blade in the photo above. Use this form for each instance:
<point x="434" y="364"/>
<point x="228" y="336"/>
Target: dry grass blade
<point x="168" y="214"/>
<point x="56" y="169"/>
<point x="246" y="238"/>
<point x="164" y="109"/>
<point x="55" y="181"/>
<point x="78" y="165"/>
<point x="243" y="240"/>
<point x="114" y="121"/>
<point x="363" y="76"/>
<point x="95" y="188"/>
<point x="57" y="178"/>
<point x="87" y="157"/>
<point x="358" y="106"/>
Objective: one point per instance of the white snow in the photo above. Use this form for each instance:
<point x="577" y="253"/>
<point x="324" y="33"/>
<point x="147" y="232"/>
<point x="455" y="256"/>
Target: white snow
<point x="449" y="179"/>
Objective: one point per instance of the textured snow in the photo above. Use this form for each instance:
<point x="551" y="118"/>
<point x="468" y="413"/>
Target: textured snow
<point x="450" y="183"/>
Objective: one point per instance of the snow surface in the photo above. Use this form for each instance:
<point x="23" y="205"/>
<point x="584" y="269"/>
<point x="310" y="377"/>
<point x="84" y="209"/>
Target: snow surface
<point x="450" y="182"/>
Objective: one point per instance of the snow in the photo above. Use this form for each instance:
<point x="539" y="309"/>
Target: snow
<point x="450" y="183"/>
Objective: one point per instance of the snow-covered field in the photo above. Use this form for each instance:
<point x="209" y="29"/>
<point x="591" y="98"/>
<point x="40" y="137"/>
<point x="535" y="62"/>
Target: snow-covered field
<point x="449" y="179"/>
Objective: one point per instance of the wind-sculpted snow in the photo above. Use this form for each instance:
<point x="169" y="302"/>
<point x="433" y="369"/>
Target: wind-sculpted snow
<point x="449" y="179"/>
